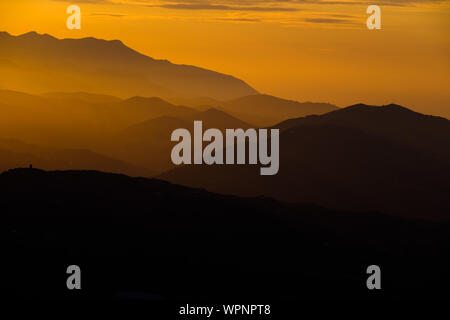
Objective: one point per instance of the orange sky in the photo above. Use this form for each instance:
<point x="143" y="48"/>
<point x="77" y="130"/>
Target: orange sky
<point x="308" y="50"/>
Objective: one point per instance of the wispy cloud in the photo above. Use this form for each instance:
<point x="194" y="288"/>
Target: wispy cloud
<point x="86" y="1"/>
<point x="114" y="15"/>
<point x="239" y="19"/>
<point x="185" y="6"/>
<point x="328" y="20"/>
<point x="251" y="5"/>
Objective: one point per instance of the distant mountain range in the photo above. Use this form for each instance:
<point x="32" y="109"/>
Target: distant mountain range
<point x="265" y="110"/>
<point x="148" y="143"/>
<point x="37" y="63"/>
<point x="135" y="130"/>
<point x="260" y="109"/>
<point x="74" y="122"/>
<point x="387" y="159"/>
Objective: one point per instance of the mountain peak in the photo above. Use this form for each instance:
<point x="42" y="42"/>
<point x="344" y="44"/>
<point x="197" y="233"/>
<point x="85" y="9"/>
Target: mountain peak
<point x="213" y="111"/>
<point x="31" y="33"/>
<point x="4" y="34"/>
<point x="383" y="109"/>
<point x="115" y="42"/>
<point x="358" y="105"/>
<point x="34" y="35"/>
<point x="145" y="100"/>
<point x="22" y="172"/>
<point x="393" y="106"/>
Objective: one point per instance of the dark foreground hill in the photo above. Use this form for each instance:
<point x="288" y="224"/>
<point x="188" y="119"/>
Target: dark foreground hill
<point x="14" y="153"/>
<point x="149" y="239"/>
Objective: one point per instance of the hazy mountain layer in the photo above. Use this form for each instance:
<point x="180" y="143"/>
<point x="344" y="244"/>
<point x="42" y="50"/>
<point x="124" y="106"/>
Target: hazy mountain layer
<point x="41" y="63"/>
<point x="259" y="109"/>
<point x="264" y="110"/>
<point x="75" y="120"/>
<point x="149" y="143"/>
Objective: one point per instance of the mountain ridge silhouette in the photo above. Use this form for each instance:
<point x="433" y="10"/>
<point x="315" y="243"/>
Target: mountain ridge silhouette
<point x="347" y="164"/>
<point x="425" y="132"/>
<point x="266" y="110"/>
<point x="106" y="67"/>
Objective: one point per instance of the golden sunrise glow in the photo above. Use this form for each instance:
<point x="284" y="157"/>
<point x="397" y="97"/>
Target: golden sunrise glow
<point x="306" y="51"/>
